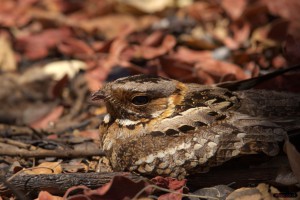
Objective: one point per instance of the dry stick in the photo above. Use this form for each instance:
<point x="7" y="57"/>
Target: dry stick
<point x="57" y="184"/>
<point x="16" y="143"/>
<point x="171" y="191"/>
<point x="62" y="153"/>
<point x="20" y="195"/>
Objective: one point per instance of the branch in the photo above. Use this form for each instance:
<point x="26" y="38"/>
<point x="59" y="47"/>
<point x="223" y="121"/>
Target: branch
<point x="57" y="184"/>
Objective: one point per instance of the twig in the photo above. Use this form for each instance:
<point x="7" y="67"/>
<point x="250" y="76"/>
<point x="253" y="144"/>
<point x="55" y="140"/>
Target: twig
<point x="171" y="191"/>
<point x="15" y="143"/>
<point x="62" y="153"/>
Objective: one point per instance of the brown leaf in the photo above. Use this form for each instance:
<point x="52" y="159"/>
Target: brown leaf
<point x="119" y="187"/>
<point x="168" y="182"/>
<point x="44" y="195"/>
<point x="256" y="14"/>
<point x="292" y="50"/>
<point x="278" y="30"/>
<point x="154" y="39"/>
<point x="96" y="77"/>
<point x="204" y="11"/>
<point x="92" y="134"/>
<point x="172" y="184"/>
<point x="45" y="168"/>
<point x="294" y="158"/>
<point x="75" y="47"/>
<point x="112" y="25"/>
<point x="37" y="46"/>
<point x="7" y="57"/>
<point x="148" y="52"/>
<point x="241" y="33"/>
<point x="175" y="68"/>
<point x="172" y="195"/>
<point x="220" y="70"/>
<point x="286" y="9"/>
<point x="191" y="56"/>
<point x="15" y="13"/>
<point x="50" y="117"/>
<point x="262" y="191"/>
<point x="234" y="8"/>
<point x="75" y="167"/>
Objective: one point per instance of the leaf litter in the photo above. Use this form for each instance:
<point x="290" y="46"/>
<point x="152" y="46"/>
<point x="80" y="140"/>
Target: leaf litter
<point x="54" y="54"/>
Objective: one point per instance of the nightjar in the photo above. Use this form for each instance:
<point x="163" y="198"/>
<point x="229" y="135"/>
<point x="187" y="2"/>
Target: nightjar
<point x="160" y="126"/>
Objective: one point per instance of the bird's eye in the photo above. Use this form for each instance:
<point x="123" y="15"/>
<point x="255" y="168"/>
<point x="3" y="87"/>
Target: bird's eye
<point x="140" y="100"/>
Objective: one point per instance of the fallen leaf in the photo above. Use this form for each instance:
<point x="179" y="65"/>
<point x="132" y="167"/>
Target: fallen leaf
<point x="241" y="31"/>
<point x="75" y="47"/>
<point x="149" y="52"/>
<point x="218" y="191"/>
<point x="45" y="168"/>
<point x="44" y="195"/>
<point x="123" y="25"/>
<point x="168" y="182"/>
<point x="204" y="11"/>
<point x="220" y="70"/>
<point x="50" y="117"/>
<point x="148" y="6"/>
<point x="119" y="187"/>
<point x="154" y="39"/>
<point x="75" y="167"/>
<point x="191" y="56"/>
<point x="7" y="57"/>
<point x="59" y="69"/>
<point x="292" y="49"/>
<point x="171" y="184"/>
<point x="38" y="45"/>
<point x="172" y="195"/>
<point x="286" y="178"/>
<point x="294" y="158"/>
<point x="288" y="10"/>
<point x="92" y="134"/>
<point x="234" y="8"/>
<point x="15" y="13"/>
<point x="245" y="194"/>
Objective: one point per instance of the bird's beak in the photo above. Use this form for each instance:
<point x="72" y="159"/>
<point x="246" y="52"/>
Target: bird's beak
<point x="100" y="94"/>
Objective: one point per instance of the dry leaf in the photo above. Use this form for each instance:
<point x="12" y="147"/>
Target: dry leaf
<point x="292" y="50"/>
<point x="148" y="6"/>
<point x="245" y="194"/>
<point x="59" y="69"/>
<point x="294" y="158"/>
<point x="37" y="46"/>
<point x="171" y="184"/>
<point x="7" y="58"/>
<point x="234" y="8"/>
<point x="44" y="195"/>
<point x="119" y="187"/>
<point x="45" y="168"/>
<point x="168" y="182"/>
<point x="218" y="191"/>
<point x="50" y="117"/>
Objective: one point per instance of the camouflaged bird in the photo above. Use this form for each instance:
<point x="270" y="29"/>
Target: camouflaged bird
<point x="160" y="126"/>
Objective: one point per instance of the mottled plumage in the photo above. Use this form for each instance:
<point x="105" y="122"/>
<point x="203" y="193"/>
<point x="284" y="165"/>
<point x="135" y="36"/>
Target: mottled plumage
<point x="159" y="126"/>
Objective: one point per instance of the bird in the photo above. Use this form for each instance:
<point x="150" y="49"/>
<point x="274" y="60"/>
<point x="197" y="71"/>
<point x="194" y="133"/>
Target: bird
<point x="158" y="126"/>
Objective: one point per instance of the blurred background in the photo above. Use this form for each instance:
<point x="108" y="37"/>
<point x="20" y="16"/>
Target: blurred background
<point x="54" y="53"/>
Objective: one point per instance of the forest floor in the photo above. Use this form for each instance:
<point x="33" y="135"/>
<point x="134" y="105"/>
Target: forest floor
<point x="55" y="54"/>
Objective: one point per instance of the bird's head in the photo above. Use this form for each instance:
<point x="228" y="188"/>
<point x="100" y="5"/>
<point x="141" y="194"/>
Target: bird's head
<point x="140" y="97"/>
